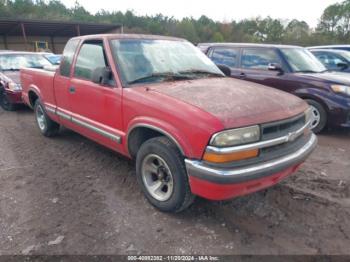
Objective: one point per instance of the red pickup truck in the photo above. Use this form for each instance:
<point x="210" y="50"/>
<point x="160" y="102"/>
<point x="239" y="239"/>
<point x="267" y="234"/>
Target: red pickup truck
<point x="160" y="100"/>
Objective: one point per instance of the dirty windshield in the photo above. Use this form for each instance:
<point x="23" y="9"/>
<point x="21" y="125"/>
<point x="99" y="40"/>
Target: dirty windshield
<point x="150" y="61"/>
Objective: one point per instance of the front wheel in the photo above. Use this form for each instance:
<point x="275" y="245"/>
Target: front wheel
<point x="46" y="126"/>
<point x="161" y="173"/>
<point x="319" y="116"/>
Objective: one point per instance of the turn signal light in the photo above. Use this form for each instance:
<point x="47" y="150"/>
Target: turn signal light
<point x="224" y="158"/>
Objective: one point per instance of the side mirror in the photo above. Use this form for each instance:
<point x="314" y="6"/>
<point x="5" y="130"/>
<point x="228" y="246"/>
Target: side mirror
<point x="342" y="66"/>
<point x="275" y="67"/>
<point x="101" y="75"/>
<point x="225" y="69"/>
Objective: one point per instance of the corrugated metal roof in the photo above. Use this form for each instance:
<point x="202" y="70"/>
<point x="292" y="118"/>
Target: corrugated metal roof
<point x="12" y="27"/>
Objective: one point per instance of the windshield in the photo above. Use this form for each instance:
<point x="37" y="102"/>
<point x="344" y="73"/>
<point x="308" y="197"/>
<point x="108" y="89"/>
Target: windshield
<point x="149" y="61"/>
<point x="301" y="60"/>
<point x="17" y="61"/>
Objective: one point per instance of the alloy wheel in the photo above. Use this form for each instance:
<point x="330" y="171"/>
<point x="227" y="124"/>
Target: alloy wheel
<point x="157" y="177"/>
<point x="40" y="118"/>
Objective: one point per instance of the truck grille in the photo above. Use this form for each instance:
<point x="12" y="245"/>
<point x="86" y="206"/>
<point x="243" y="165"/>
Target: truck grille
<point x="282" y="128"/>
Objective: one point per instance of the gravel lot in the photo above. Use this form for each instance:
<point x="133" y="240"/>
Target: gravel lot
<point x="68" y="195"/>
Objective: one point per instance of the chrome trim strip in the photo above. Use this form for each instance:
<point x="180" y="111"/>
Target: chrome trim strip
<point x="200" y="169"/>
<point x="50" y="109"/>
<point x="160" y="131"/>
<point x="263" y="144"/>
<point x="63" y="115"/>
<point x="97" y="130"/>
<point x="102" y="132"/>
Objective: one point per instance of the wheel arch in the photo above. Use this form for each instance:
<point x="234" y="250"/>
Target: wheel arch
<point x="33" y="95"/>
<point x="316" y="98"/>
<point x="141" y="132"/>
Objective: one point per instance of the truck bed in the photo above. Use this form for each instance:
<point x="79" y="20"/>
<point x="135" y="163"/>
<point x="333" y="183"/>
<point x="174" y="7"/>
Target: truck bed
<point x="40" y="81"/>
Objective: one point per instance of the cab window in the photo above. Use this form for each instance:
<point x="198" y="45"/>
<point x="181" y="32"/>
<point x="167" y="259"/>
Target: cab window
<point x="259" y="58"/>
<point x="91" y="56"/>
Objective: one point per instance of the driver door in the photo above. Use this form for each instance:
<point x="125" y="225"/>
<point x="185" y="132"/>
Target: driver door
<point x="96" y="108"/>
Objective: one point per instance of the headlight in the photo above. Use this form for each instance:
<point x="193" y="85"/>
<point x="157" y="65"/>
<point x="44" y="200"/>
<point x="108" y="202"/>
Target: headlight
<point x="235" y="137"/>
<point x="341" y="89"/>
<point x="14" y="87"/>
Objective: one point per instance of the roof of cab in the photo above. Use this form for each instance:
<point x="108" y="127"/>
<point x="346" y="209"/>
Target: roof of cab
<point x="130" y="36"/>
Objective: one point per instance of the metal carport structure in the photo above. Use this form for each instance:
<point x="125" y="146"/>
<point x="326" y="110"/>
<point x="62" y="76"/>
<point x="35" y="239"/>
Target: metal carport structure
<point x="20" y="34"/>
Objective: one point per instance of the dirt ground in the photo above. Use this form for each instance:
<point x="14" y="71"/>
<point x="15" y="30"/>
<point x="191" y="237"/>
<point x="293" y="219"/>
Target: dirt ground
<point x="68" y="195"/>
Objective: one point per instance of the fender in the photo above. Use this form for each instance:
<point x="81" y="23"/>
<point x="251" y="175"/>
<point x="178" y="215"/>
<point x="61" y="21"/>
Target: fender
<point x="31" y="88"/>
<point x="163" y="127"/>
<point x="313" y="93"/>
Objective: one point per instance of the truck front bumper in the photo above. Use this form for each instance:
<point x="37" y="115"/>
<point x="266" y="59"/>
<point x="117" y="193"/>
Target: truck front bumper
<point x="220" y="184"/>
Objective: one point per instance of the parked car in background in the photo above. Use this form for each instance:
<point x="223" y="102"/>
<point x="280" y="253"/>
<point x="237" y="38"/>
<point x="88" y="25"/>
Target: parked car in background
<point x="335" y="47"/>
<point x="10" y="64"/>
<point x="292" y="69"/>
<point x="53" y="58"/>
<point x="160" y="100"/>
<point x="333" y="60"/>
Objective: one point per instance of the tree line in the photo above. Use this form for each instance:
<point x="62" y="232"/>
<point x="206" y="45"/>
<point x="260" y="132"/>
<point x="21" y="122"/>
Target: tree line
<point x="333" y="27"/>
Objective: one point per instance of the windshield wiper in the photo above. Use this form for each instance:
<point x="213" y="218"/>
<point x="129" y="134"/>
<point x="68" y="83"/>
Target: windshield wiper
<point x="164" y="76"/>
<point x="198" y="71"/>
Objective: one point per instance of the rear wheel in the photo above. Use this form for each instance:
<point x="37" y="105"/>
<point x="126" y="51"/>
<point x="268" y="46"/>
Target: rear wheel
<point x="46" y="126"/>
<point x="5" y="103"/>
<point x="319" y="116"/>
<point x="162" y="175"/>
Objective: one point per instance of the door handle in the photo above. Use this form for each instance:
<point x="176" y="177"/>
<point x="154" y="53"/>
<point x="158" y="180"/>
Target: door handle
<point x="72" y="89"/>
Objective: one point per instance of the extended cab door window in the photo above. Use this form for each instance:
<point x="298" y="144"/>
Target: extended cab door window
<point x="91" y="57"/>
<point x="259" y="58"/>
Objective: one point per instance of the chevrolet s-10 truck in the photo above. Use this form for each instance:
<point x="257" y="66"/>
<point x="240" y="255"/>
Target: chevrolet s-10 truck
<point x="160" y="100"/>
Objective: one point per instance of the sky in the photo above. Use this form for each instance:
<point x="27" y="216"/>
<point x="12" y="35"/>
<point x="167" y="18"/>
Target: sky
<point x="219" y="10"/>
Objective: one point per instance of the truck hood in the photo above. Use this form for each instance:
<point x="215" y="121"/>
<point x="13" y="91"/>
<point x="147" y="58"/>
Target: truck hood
<point x="330" y="77"/>
<point x="11" y="76"/>
<point x="235" y="103"/>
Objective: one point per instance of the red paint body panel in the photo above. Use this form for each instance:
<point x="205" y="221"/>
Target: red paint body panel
<point x="215" y="191"/>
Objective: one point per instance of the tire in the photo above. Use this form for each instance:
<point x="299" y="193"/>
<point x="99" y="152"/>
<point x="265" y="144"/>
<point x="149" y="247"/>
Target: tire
<point x="5" y="103"/>
<point x="319" y="114"/>
<point x="159" y="162"/>
<point x="46" y="126"/>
